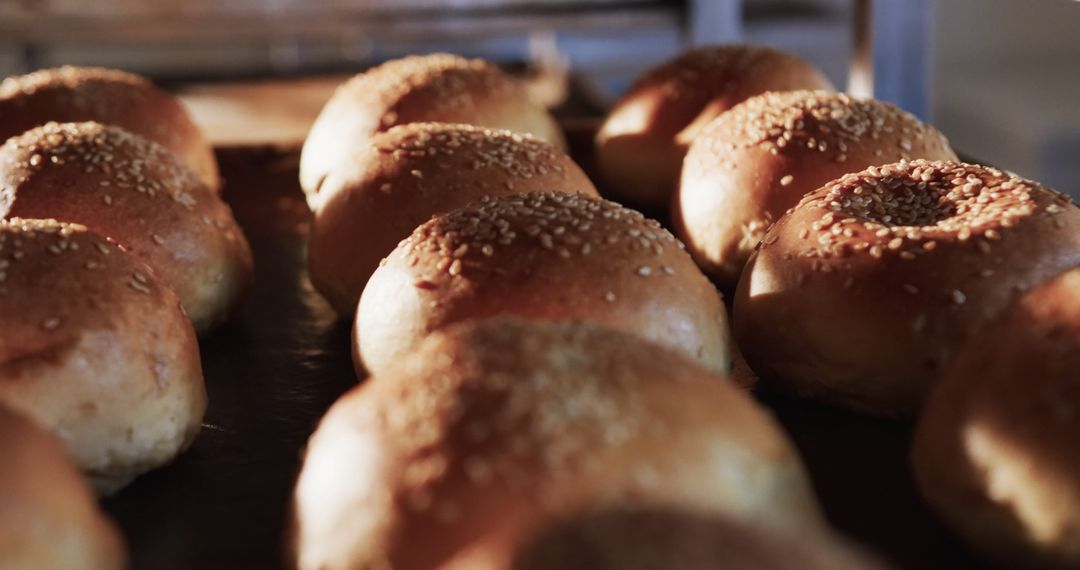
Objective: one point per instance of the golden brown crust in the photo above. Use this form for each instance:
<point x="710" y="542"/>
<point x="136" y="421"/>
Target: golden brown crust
<point x="995" y="451"/>
<point x="49" y="519"/>
<point x="648" y="538"/>
<point x="93" y="347"/>
<point x="546" y="256"/>
<point x="756" y="161"/>
<point x="490" y="427"/>
<point x="861" y="293"/>
<point x="641" y="145"/>
<point x="108" y="96"/>
<point x="135" y="192"/>
<point x="406" y="176"/>
<point x="430" y="88"/>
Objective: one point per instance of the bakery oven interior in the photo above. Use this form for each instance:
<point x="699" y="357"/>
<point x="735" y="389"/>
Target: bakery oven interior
<point x="255" y="74"/>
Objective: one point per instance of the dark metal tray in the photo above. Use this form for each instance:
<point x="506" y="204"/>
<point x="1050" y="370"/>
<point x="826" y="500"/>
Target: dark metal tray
<point x="283" y="359"/>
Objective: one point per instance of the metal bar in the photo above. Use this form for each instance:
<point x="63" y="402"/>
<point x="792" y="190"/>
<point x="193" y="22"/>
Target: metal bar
<point x="23" y="28"/>
<point x="902" y="39"/>
<point x="714" y="21"/>
<point x="861" y="69"/>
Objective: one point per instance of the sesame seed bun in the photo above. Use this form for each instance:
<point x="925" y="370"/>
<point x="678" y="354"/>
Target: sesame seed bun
<point x="137" y="193"/>
<point x="651" y="538"/>
<point x="490" y="428"/>
<point x="131" y="102"/>
<point x="859" y="296"/>
<point x="94" y="348"/>
<point x="640" y="146"/>
<point x="430" y="88"/>
<point x="995" y="451"/>
<point x="409" y="174"/>
<point x="547" y="256"/>
<point x="49" y="518"/>
<point x="756" y="161"/>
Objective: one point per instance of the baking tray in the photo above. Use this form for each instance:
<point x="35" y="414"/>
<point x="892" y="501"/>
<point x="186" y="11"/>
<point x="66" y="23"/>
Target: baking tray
<point x="284" y="358"/>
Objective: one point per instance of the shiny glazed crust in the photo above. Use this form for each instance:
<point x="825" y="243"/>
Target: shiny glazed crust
<point x="861" y="294"/>
<point x="489" y="428"/>
<point x="94" y="348"/>
<point x="49" y="519"/>
<point x="545" y="256"/>
<point x="111" y="97"/>
<point x="407" y="175"/>
<point x="756" y="161"/>
<point x="995" y="451"/>
<point x="135" y="192"/>
<point x="641" y="145"/>
<point x="430" y="88"/>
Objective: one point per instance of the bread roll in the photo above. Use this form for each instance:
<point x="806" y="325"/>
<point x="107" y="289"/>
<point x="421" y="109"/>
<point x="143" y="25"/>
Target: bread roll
<point x="547" y="256"/>
<point x="410" y="173"/>
<point x="131" y="102"/>
<point x="49" y="519"/>
<point x="756" y="161"/>
<point x="640" y="146"/>
<point x="650" y="538"/>
<point x="94" y="348"/>
<point x="430" y="88"/>
<point x="859" y="296"/>
<point x="135" y="192"/>
<point x="995" y="451"/>
<point x="490" y="429"/>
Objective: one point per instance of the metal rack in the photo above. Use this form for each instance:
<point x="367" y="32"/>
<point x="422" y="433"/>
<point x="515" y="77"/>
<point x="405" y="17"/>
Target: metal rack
<point x="195" y="39"/>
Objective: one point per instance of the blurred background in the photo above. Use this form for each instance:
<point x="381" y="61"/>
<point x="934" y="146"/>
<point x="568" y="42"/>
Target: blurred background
<point x="1000" y="77"/>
